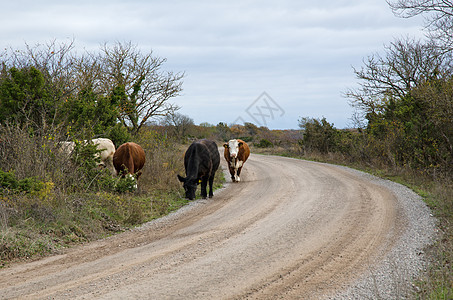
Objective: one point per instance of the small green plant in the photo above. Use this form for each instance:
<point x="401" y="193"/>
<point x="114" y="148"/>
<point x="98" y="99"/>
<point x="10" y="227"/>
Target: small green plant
<point x="126" y="184"/>
<point x="9" y="182"/>
<point x="264" y="143"/>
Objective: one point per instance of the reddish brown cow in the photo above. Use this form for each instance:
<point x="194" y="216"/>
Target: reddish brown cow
<point x="131" y="157"/>
<point x="236" y="153"/>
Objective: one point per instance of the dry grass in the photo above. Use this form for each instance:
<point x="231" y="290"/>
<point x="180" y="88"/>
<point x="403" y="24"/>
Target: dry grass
<point x="61" y="202"/>
<point x="164" y="159"/>
<point x="437" y="282"/>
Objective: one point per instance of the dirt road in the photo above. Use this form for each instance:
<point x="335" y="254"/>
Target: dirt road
<point x="289" y="229"/>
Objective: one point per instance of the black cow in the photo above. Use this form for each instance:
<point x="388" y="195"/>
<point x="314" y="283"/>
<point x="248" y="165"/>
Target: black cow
<point x="201" y="161"/>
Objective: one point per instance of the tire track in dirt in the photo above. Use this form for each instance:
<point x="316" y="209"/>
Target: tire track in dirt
<point x="290" y="229"/>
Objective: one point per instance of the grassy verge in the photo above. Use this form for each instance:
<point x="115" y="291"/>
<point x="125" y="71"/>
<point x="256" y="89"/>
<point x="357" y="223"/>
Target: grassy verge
<point x="437" y="281"/>
<point x="49" y="202"/>
<point x="33" y="230"/>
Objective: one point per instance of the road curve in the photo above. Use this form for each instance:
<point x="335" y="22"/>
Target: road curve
<point x="289" y="229"/>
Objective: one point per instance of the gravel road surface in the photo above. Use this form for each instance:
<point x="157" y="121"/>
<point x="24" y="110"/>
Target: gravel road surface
<point x="291" y="229"/>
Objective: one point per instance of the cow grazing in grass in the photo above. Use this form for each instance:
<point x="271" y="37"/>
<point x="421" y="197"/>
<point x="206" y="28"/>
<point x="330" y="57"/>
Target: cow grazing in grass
<point x="201" y="161"/>
<point x="129" y="159"/>
<point x="106" y="150"/>
<point x="236" y="153"/>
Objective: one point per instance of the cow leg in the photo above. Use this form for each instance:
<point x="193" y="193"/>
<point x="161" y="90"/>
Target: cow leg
<point x="239" y="173"/>
<point x="232" y="171"/>
<point x="211" y="181"/>
<point x="231" y="167"/>
<point x="204" y="183"/>
<point x="238" y="167"/>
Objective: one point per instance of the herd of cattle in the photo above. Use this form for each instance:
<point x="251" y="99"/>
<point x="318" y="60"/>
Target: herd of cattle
<point x="201" y="161"/>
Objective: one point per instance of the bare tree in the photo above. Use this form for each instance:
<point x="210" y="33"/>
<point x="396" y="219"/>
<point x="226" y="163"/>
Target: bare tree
<point x="89" y="73"/>
<point x="146" y="88"/>
<point x="55" y="62"/>
<point x="179" y="122"/>
<point x="407" y="64"/>
<point x="438" y="16"/>
<point x="51" y="58"/>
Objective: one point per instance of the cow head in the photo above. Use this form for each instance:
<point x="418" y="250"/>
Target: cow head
<point x="233" y="147"/>
<point x="190" y="186"/>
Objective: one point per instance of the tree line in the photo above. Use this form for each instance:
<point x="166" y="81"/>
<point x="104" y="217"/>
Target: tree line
<point x="403" y="102"/>
<point x="403" y="105"/>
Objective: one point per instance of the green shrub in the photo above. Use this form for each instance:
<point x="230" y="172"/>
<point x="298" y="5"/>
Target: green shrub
<point x="126" y="184"/>
<point x="8" y="181"/>
<point x="264" y="144"/>
<point x="119" y="135"/>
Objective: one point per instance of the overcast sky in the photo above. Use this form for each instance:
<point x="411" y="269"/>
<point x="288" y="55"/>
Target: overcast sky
<point x="266" y="62"/>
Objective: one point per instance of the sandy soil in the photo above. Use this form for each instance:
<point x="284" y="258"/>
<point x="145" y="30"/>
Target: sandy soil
<point x="289" y="229"/>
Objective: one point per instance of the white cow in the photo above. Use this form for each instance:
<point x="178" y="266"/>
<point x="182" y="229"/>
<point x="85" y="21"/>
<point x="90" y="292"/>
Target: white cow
<point x="106" y="147"/>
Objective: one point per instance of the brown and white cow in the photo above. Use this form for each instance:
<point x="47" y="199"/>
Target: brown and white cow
<point x="131" y="157"/>
<point x="236" y="153"/>
<point x="105" y="146"/>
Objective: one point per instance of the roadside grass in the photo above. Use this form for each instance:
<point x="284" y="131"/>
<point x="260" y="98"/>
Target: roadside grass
<point x="49" y="202"/>
<point x="436" y="282"/>
<point x="37" y="230"/>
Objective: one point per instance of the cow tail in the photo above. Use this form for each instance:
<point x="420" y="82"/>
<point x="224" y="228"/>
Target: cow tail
<point x="130" y="160"/>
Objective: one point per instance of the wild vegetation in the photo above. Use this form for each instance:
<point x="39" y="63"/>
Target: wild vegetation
<point x="51" y="199"/>
<point x="407" y="100"/>
<point x="48" y="199"/>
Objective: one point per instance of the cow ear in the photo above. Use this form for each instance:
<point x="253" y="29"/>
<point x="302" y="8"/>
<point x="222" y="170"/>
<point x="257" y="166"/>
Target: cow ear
<point x="240" y="144"/>
<point x="225" y="146"/>
<point x="182" y="179"/>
